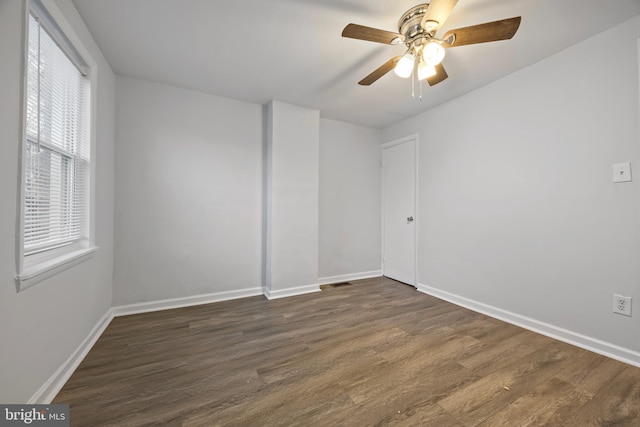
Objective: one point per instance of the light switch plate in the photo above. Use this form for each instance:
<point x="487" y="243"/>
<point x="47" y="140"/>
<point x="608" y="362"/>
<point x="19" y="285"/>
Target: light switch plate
<point x="622" y="172"/>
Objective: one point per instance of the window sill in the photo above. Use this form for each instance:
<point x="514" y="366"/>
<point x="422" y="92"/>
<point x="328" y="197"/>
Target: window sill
<point x="44" y="269"/>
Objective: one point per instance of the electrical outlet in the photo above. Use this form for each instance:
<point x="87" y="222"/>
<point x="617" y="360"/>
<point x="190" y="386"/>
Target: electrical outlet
<point x="622" y="305"/>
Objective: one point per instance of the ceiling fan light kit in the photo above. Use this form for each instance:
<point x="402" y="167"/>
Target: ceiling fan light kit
<point x="433" y="53"/>
<point x="425" y="70"/>
<point x="404" y="67"/>
<point x="417" y="29"/>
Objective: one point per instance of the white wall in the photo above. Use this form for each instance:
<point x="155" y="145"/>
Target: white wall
<point x="42" y="326"/>
<point x="188" y="193"/>
<point x="349" y="238"/>
<point x="517" y="206"/>
<point x="292" y="164"/>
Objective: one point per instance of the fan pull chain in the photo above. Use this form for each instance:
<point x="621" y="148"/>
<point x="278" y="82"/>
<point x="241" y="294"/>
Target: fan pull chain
<point x="413" y="85"/>
<point x="420" y="83"/>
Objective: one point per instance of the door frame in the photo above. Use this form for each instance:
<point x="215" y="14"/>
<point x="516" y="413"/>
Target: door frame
<point x="409" y="138"/>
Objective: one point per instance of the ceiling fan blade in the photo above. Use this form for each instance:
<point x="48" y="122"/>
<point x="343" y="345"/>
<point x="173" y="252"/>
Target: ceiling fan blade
<point x="380" y="71"/>
<point x="361" y="32"/>
<point x="438" y="11"/>
<point x="482" y="33"/>
<point x="439" y="76"/>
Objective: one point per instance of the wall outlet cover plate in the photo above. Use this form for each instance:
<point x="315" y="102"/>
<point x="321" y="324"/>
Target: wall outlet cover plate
<point x="622" y="305"/>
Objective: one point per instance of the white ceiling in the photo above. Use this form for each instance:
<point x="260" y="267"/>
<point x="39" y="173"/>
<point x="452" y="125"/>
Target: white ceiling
<point x="292" y="50"/>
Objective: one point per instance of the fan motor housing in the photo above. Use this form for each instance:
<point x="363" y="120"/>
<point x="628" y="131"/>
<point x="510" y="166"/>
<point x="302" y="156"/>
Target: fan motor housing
<point x="409" y="24"/>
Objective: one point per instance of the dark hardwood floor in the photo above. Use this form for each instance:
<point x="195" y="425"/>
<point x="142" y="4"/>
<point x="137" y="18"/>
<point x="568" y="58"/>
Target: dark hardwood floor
<point x="371" y="352"/>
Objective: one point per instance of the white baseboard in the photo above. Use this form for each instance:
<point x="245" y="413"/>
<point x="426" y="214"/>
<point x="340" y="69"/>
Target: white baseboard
<point x="54" y="384"/>
<point x="291" y="292"/>
<point x="145" y="307"/>
<point x="347" y="277"/>
<point x="595" y="345"/>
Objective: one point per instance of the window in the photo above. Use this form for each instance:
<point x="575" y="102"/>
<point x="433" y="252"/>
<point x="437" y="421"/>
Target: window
<point x="56" y="164"/>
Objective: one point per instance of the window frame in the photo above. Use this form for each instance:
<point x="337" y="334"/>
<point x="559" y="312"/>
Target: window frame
<point x="37" y="266"/>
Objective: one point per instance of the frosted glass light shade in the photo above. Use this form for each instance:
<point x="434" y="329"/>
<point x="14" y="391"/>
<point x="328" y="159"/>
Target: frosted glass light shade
<point x="425" y="70"/>
<point x="404" y="67"/>
<point x="433" y="53"/>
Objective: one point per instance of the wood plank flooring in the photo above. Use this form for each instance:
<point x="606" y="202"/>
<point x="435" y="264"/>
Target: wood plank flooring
<point x="367" y="353"/>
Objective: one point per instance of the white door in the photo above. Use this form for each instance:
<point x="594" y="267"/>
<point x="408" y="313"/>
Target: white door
<point x="399" y="209"/>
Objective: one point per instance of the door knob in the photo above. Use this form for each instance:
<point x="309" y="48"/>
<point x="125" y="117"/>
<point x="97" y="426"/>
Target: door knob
<point x="410" y="219"/>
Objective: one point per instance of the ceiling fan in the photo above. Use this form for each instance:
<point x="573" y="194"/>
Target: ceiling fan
<point x="417" y="30"/>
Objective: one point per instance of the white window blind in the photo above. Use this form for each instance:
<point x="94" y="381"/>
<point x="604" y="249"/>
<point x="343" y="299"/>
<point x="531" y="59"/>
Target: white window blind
<point x="56" y="157"/>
